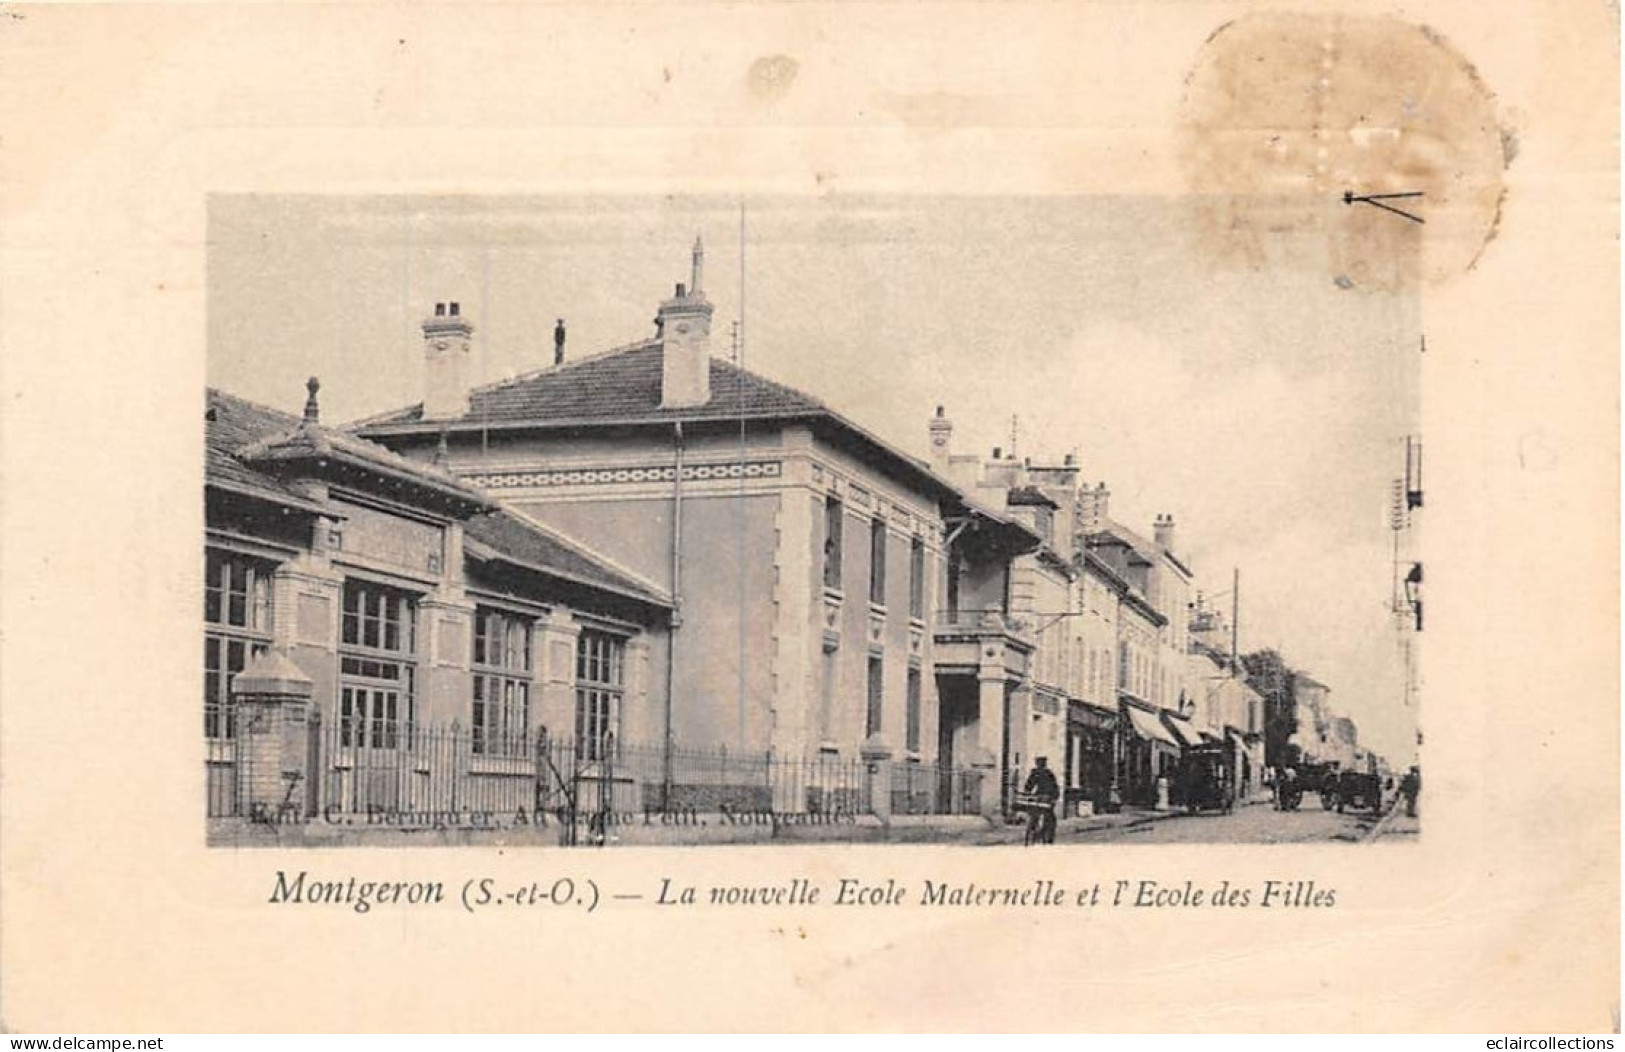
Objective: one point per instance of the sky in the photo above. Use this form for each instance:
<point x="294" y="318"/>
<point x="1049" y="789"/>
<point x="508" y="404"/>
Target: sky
<point x="1260" y="397"/>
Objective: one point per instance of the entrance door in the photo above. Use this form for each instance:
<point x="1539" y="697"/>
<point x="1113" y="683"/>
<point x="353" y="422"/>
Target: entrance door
<point x="370" y="740"/>
<point x="956" y="713"/>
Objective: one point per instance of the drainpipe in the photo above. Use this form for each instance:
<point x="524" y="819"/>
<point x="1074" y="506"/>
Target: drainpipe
<point x="676" y="601"/>
<point x="1114" y="792"/>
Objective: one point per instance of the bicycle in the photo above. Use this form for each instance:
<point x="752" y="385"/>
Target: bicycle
<point x="1040" y="824"/>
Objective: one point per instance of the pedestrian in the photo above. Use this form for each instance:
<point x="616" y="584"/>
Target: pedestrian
<point x="1410" y="787"/>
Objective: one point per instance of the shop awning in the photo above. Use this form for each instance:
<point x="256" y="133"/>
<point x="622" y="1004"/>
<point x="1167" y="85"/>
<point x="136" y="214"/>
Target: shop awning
<point x="1239" y="737"/>
<point x="1187" y="731"/>
<point x="1148" y="726"/>
<point x="1083" y="714"/>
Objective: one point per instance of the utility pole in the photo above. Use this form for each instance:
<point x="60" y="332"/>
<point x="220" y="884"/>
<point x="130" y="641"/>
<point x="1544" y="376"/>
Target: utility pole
<point x="1235" y="621"/>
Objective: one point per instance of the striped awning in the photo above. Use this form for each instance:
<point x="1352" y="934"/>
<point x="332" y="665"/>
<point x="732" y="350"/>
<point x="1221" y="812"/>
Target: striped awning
<point x="1148" y="726"/>
<point x="1186" y="730"/>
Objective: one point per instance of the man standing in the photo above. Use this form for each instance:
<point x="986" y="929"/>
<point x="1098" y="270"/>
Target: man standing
<point x="1410" y="787"/>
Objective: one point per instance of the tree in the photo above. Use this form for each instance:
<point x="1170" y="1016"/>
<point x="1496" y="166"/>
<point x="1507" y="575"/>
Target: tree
<point x="1268" y="674"/>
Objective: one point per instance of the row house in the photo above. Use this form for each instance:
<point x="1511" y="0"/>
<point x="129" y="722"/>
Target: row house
<point x="1103" y="701"/>
<point x="382" y="597"/>
<point x="1222" y="701"/>
<point x="835" y="599"/>
<point x="1309" y="740"/>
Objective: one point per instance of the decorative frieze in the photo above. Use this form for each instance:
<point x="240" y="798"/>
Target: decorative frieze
<point x="609" y="476"/>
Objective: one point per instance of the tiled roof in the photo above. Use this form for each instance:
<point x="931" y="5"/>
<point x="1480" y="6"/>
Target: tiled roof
<point x="1029" y="496"/>
<point x="1143" y="546"/>
<point x="528" y="544"/>
<point x="309" y="441"/>
<point x="235" y="426"/>
<point x="232" y="423"/>
<point x="619" y="386"/>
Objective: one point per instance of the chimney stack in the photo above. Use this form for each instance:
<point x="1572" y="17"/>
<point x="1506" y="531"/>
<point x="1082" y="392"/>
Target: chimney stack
<point x="942" y="436"/>
<point x="1093" y="507"/>
<point x="558" y="343"/>
<point x="448" y="359"/>
<point x="1163" y="531"/>
<point x="684" y="328"/>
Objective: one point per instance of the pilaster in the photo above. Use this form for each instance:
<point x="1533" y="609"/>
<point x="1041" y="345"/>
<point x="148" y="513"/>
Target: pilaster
<point x="554" y="705"/>
<point x="798" y="629"/>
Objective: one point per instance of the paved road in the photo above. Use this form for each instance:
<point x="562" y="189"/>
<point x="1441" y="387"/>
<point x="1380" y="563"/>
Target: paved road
<point x="1257" y="824"/>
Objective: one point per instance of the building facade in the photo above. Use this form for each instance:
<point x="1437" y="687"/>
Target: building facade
<point x="833" y="596"/>
<point x="397" y="611"/>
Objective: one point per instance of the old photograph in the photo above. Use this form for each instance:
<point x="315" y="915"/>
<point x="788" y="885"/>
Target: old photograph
<point x="902" y="519"/>
<point x="796" y="517"/>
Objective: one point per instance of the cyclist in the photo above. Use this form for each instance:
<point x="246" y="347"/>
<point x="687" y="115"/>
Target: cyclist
<point x="1045" y="791"/>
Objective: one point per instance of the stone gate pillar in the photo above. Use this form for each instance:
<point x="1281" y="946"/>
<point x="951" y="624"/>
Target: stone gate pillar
<point x="272" y="697"/>
<point x="987" y="756"/>
<point x="877" y="759"/>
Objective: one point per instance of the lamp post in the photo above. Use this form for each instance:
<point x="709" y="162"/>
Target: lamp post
<point x="1413" y="592"/>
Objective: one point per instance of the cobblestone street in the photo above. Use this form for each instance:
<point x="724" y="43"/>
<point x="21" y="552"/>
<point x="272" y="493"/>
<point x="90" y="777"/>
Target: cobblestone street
<point x="1255" y="824"/>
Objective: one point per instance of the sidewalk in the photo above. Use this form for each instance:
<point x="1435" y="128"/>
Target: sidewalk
<point x="1068" y="829"/>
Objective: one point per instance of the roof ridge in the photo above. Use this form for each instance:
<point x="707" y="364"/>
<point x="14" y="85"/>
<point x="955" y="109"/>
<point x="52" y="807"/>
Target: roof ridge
<point x="560" y="367"/>
<point x="763" y="378"/>
<point x="324" y="439"/>
<point x="377" y="418"/>
<point x="220" y="392"/>
<point x="392" y="416"/>
<point x="582" y="547"/>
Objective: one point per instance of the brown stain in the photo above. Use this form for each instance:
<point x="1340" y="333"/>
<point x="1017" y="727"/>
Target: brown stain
<point x="771" y="76"/>
<point x="939" y="110"/>
<point x="1284" y="112"/>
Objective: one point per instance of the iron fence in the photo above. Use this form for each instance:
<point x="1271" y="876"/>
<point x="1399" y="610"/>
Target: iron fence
<point x="413" y="774"/>
<point x="931" y="789"/>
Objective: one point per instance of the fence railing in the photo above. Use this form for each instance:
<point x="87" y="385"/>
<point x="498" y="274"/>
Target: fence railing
<point x="418" y="774"/>
<point x="931" y="789"/>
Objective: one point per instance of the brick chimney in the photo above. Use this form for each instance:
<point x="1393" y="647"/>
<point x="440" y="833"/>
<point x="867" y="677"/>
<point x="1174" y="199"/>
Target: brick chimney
<point x="684" y="324"/>
<point x="1163" y="531"/>
<point x="1092" y="507"/>
<point x="448" y="349"/>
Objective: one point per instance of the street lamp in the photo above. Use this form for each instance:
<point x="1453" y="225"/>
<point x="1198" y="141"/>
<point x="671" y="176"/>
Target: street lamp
<point x="1413" y="592"/>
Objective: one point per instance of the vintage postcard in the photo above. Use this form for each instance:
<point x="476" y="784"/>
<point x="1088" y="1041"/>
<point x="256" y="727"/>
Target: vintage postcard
<point x="838" y="517"/>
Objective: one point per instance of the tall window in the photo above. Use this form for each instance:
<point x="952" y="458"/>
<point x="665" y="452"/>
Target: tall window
<point x="600" y="687"/>
<point x="912" y="737"/>
<point x="501" y="717"/>
<point x="877" y="561"/>
<point x="871" y="724"/>
<point x="827" y="695"/>
<point x="377" y="675"/>
<point x="237" y="616"/>
<point x="832" y="542"/>
<point x="916" y="577"/>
